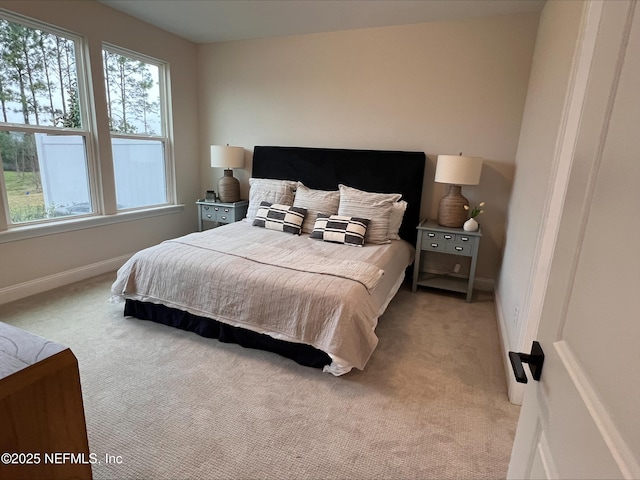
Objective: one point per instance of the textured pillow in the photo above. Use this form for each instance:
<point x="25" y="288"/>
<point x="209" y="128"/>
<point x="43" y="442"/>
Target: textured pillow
<point x="268" y="190"/>
<point x="397" y="214"/>
<point x="315" y="201"/>
<point x="375" y="206"/>
<point x="283" y="218"/>
<point x="340" y="229"/>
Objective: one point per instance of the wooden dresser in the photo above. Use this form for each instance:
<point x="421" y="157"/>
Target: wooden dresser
<point x="42" y="425"/>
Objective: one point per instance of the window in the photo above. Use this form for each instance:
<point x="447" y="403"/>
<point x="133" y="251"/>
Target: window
<point x="49" y="172"/>
<point x="136" y="107"/>
<point x="43" y="129"/>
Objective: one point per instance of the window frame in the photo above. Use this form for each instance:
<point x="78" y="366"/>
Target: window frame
<point x="90" y="104"/>
<point x="165" y="119"/>
<point x="86" y="131"/>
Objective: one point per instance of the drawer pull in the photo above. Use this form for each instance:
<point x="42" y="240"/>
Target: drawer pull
<point x="216" y="209"/>
<point x="448" y="237"/>
<point x="208" y="215"/>
<point x="434" y="245"/>
<point x="223" y="218"/>
<point x="459" y="249"/>
<point x="206" y="208"/>
<point x="226" y="210"/>
<point x="464" y="239"/>
<point x="431" y="235"/>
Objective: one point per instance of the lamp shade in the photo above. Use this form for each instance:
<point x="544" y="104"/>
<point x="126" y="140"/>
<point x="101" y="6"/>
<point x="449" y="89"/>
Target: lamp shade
<point x="458" y="170"/>
<point x="224" y="156"/>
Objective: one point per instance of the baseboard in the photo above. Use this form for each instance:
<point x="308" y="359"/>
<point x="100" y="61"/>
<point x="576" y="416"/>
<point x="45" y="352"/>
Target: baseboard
<point x="515" y="390"/>
<point x="484" y="284"/>
<point x="39" y="285"/>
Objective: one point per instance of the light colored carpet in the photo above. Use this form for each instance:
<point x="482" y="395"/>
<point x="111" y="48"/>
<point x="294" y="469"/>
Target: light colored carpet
<point x="431" y="403"/>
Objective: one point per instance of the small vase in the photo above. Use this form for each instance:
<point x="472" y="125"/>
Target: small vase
<point x="470" y="225"/>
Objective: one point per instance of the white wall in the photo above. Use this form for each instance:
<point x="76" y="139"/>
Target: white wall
<point x="49" y="259"/>
<point x="436" y="87"/>
<point x="535" y="166"/>
<point x="440" y="87"/>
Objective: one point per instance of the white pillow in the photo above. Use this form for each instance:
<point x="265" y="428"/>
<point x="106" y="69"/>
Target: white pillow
<point x="375" y="206"/>
<point x="397" y="214"/>
<point x="268" y="190"/>
<point x="315" y="201"/>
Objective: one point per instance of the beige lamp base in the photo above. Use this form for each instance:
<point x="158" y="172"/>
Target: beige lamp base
<point x="229" y="187"/>
<point x="451" y="212"/>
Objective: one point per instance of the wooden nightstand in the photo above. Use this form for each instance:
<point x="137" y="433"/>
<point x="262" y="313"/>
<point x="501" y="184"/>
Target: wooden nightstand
<point x="220" y="213"/>
<point x="447" y="241"/>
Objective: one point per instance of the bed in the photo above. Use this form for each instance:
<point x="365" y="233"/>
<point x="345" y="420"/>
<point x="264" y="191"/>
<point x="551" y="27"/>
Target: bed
<point x="313" y="301"/>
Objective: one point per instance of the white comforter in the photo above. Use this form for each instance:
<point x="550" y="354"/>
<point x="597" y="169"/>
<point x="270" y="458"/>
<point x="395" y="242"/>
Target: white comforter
<point x="286" y="286"/>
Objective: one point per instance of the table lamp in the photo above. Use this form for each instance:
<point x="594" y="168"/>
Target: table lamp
<point x="456" y="170"/>
<point x="224" y="156"/>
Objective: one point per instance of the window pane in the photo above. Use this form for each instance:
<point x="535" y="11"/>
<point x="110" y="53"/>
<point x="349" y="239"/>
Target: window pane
<point x="139" y="172"/>
<point x="45" y="175"/>
<point x="38" y="77"/>
<point x="133" y="94"/>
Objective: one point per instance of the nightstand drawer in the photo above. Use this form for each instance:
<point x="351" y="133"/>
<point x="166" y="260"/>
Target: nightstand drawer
<point x="460" y="248"/>
<point x="431" y="235"/>
<point x="209" y="213"/>
<point x="221" y="213"/>
<point x="465" y="239"/>
<point x="224" y="214"/>
<point x="214" y="213"/>
<point x="436" y="243"/>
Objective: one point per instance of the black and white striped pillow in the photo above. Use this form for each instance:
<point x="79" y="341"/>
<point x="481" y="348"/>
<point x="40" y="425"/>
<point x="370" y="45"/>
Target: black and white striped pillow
<point x="283" y="218"/>
<point x="340" y="229"/>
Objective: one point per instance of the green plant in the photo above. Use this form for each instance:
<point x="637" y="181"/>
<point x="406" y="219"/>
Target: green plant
<point x="475" y="211"/>
<point x="27" y="213"/>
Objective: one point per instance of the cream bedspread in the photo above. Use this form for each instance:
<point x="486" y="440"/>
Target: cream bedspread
<point x="286" y="286"/>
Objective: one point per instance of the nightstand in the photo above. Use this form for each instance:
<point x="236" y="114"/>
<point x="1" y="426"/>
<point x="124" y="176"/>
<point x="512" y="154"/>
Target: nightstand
<point x="220" y="212"/>
<point x="435" y="239"/>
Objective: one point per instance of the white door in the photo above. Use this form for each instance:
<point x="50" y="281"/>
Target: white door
<point x="582" y="419"/>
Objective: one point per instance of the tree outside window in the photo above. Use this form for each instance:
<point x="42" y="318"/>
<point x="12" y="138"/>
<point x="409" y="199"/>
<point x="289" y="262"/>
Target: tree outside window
<point x="42" y="132"/>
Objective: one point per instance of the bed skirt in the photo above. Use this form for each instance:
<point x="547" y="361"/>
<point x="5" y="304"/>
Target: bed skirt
<point x="301" y="353"/>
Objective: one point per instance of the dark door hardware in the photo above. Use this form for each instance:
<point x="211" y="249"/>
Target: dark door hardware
<point x="535" y="360"/>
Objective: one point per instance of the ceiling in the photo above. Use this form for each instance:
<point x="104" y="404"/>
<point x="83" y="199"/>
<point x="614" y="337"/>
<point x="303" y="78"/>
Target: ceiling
<point x="208" y="21"/>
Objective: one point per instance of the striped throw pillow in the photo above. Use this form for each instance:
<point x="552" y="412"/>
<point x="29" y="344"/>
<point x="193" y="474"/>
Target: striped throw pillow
<point x="283" y="218"/>
<point x="340" y="229"/>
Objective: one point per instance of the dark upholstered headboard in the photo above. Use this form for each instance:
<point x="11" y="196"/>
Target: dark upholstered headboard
<point x="370" y="170"/>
